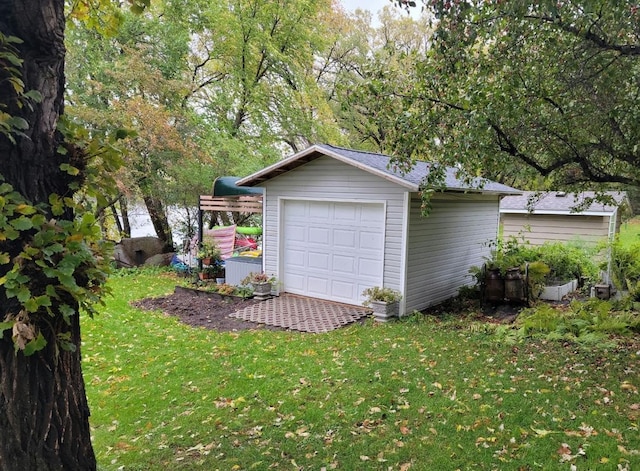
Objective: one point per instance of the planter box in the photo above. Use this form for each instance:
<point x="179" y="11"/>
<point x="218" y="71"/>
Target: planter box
<point x="384" y="312"/>
<point x="208" y="294"/>
<point x="557" y="292"/>
<point x="261" y="290"/>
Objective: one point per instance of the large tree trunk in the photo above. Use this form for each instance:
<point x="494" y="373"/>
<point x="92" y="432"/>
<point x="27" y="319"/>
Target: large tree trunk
<point x="43" y="407"/>
<point x="158" y="217"/>
<point x="44" y="416"/>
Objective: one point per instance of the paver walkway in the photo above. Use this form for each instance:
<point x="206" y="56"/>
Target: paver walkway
<point x="301" y="313"/>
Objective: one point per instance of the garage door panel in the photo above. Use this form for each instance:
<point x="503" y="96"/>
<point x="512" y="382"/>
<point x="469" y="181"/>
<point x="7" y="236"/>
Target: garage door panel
<point x="318" y="286"/>
<point x="372" y="215"/>
<point x="319" y="235"/>
<point x="369" y="266"/>
<point x="318" y="261"/>
<point x="296" y="209"/>
<point x="344" y="239"/>
<point x="296" y="258"/>
<point x="332" y="250"/>
<point x="295" y="283"/>
<point x="342" y="290"/>
<point x="295" y="233"/>
<point x="318" y="210"/>
<point x="343" y="264"/>
<point x="345" y="212"/>
<point x="370" y="241"/>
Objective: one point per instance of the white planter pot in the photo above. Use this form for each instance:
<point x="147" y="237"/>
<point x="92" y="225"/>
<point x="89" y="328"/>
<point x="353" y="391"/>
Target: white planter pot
<point x="384" y="312"/>
<point x="557" y="292"/>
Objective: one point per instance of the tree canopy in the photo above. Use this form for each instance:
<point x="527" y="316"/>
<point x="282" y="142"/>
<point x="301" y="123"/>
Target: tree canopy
<point x="537" y="95"/>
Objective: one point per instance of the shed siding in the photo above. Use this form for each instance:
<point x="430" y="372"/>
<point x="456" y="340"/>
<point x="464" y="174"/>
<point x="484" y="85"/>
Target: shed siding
<point x="541" y="228"/>
<point x="328" y="179"/>
<point x="443" y="246"/>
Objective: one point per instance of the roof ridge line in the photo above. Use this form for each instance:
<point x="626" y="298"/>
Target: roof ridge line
<point x="357" y="150"/>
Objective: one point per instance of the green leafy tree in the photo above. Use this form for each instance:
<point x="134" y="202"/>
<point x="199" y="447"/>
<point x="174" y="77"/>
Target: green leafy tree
<point x="253" y="78"/>
<point x="377" y="69"/>
<point x="235" y="81"/>
<point x="536" y="94"/>
<point x="137" y="79"/>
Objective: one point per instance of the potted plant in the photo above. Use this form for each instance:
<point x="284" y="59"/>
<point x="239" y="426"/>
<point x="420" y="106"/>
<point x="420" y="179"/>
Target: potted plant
<point x="261" y="284"/>
<point x="208" y="272"/>
<point x="385" y="302"/>
<point x="209" y="253"/>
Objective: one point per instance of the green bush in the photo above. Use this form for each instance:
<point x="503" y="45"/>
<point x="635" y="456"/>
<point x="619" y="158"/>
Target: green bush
<point x="568" y="261"/>
<point x="551" y="261"/>
<point x="625" y="268"/>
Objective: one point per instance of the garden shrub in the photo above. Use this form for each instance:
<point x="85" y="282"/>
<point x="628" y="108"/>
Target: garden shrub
<point x="625" y="268"/>
<point x="552" y="261"/>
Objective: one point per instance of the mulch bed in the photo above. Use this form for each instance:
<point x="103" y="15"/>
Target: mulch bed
<point x="200" y="308"/>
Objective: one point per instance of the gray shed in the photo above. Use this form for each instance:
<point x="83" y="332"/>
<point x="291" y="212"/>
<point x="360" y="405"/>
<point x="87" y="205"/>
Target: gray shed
<point x="337" y="221"/>
<point x="551" y="216"/>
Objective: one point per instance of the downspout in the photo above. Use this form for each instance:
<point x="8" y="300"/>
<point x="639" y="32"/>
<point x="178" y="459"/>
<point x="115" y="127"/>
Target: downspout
<point x="612" y="233"/>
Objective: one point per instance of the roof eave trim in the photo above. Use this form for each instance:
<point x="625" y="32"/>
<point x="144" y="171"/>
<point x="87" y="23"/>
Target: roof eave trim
<point x="558" y="212"/>
<point x="483" y="191"/>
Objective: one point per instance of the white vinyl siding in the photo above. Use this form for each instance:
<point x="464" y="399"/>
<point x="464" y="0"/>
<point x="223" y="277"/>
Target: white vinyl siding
<point x="327" y="179"/>
<point x="540" y="228"/>
<point x="443" y="246"/>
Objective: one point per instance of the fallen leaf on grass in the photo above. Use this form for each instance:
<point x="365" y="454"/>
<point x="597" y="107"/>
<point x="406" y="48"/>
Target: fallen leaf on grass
<point x="543" y="433"/>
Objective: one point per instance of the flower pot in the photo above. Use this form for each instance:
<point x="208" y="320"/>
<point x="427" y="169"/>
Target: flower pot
<point x="220" y="281"/>
<point x="204" y="276"/>
<point x="261" y="290"/>
<point x="384" y="312"/>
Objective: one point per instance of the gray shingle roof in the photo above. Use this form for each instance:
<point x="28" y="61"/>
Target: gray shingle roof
<point x="378" y="164"/>
<point x="558" y="202"/>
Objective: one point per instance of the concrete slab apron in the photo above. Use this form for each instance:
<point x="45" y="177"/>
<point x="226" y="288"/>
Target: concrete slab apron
<point x="302" y="313"/>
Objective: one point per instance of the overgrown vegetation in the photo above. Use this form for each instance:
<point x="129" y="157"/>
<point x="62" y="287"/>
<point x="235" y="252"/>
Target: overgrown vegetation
<point x="586" y="323"/>
<point x="625" y="267"/>
<point x="566" y="261"/>
<point x="421" y="393"/>
<point x="549" y="263"/>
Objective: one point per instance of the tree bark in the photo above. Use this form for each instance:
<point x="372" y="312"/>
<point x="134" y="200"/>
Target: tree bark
<point x="158" y="217"/>
<point x="43" y="407"/>
<point x="44" y="414"/>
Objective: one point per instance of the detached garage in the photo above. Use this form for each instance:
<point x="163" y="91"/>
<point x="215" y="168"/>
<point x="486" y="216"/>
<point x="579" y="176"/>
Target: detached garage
<point x="338" y="221"/>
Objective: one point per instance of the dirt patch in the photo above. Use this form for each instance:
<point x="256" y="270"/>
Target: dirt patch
<point x="202" y="309"/>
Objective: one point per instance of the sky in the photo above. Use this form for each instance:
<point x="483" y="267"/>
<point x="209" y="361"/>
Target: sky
<point x="373" y="5"/>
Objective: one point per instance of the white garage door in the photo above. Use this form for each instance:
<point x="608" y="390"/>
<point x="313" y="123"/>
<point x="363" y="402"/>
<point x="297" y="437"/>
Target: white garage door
<point x="332" y="250"/>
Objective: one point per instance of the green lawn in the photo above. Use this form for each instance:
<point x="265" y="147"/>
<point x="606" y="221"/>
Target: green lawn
<point x="630" y="232"/>
<point x="420" y="394"/>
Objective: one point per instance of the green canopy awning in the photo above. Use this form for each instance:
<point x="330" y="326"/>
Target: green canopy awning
<point x="226" y="186"/>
